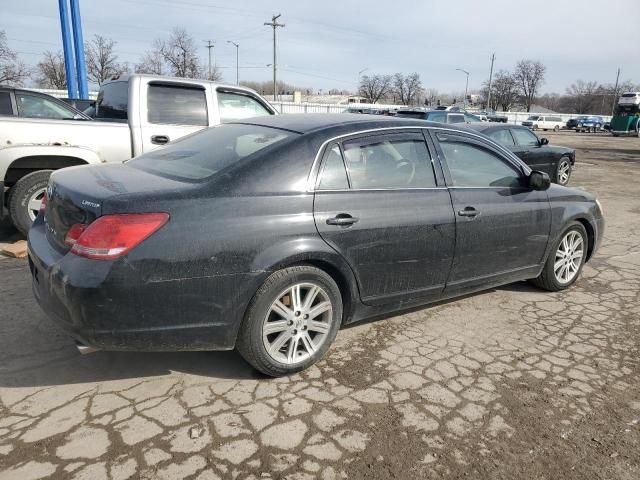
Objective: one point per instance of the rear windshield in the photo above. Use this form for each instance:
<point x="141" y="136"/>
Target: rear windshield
<point x="203" y="154"/>
<point x="629" y="95"/>
<point x="113" y="101"/>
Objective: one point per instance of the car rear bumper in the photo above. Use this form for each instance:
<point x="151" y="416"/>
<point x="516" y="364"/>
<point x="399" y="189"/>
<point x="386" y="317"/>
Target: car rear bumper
<point x="108" y="305"/>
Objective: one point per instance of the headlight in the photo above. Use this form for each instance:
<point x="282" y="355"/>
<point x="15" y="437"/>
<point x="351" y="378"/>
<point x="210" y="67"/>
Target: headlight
<point x="600" y="207"/>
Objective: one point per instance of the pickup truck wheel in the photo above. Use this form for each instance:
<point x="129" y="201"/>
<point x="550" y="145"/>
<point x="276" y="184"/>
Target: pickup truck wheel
<point x="25" y="199"/>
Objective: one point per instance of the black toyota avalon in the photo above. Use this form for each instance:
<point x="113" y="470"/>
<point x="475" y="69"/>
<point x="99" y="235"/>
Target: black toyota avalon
<point x="269" y="234"/>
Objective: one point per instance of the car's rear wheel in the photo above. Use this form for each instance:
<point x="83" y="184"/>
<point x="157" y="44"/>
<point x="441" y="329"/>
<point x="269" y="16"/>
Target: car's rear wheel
<point x="291" y="321"/>
<point x="566" y="260"/>
<point x="563" y="171"/>
<point x="556" y="129"/>
<point x="25" y="199"/>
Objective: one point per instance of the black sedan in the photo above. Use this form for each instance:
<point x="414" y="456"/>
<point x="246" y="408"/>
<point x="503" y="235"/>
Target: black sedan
<point x="555" y="161"/>
<point x="269" y="234"/>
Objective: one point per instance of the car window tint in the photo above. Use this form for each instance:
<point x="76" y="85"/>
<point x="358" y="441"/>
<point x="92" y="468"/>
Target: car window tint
<point x="176" y="105"/>
<point x="524" y="137"/>
<point x="503" y="137"/>
<point x="471" y="118"/>
<point x="456" y="118"/>
<point x="35" y="106"/>
<point x="394" y="162"/>
<point x="473" y="166"/>
<point x="202" y="155"/>
<point x="113" y="101"/>
<point x="5" y="104"/>
<point x="334" y="175"/>
<point x="235" y="106"/>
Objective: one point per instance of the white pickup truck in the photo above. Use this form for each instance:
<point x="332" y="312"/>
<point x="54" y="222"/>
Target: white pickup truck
<point x="133" y="114"/>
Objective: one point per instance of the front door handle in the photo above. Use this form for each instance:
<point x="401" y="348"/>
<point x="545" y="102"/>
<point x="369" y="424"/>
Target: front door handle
<point x="468" y="212"/>
<point x="342" y="219"/>
<point x="159" y="139"/>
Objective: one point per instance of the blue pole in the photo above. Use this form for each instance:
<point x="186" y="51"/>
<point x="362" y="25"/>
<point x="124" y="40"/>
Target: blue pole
<point x="69" y="63"/>
<point x="81" y="66"/>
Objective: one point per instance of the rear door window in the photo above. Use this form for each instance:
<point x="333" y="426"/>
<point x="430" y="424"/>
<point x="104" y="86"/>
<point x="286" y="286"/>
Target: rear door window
<point x="456" y="118"/>
<point x="333" y="175"/>
<point x="236" y="106"/>
<point x="389" y="162"/>
<point x="176" y="105"/>
<point x="437" y="117"/>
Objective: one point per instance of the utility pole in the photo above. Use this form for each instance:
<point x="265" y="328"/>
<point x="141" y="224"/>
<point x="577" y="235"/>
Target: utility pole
<point x="275" y="25"/>
<point x="493" y="57"/>
<point x="210" y="45"/>
<point x="615" y="93"/>
<point x="237" y="57"/>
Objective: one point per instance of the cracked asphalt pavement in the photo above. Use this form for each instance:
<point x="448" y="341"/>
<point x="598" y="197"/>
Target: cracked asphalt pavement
<point x="510" y="383"/>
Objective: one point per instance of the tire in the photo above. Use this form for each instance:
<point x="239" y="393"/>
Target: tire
<point x="563" y="171"/>
<point x="556" y="129"/>
<point x="29" y="188"/>
<point x="286" y="357"/>
<point x="548" y="280"/>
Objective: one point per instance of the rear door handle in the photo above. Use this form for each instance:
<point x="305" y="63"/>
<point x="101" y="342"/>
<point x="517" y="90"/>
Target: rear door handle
<point x="159" y="139"/>
<point x="342" y="219"/>
<point x="468" y="212"/>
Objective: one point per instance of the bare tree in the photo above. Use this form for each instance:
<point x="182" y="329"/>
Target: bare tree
<point x="583" y="95"/>
<point x="51" y="73"/>
<point x="12" y="71"/>
<point x="431" y="96"/>
<point x="529" y="75"/>
<point x="504" y="91"/>
<point x="102" y="63"/>
<point x="151" y="62"/>
<point x="375" y="87"/>
<point x="180" y="54"/>
<point x="407" y="88"/>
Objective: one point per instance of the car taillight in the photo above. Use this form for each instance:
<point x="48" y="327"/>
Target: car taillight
<point x="43" y="205"/>
<point x="111" y="236"/>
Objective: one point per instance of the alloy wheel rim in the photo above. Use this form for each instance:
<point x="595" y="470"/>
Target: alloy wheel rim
<point x="568" y="257"/>
<point x="564" y="172"/>
<point x="35" y="202"/>
<point x="298" y="323"/>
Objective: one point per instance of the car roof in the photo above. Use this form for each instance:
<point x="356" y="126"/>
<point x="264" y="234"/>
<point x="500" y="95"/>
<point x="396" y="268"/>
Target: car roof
<point x="316" y="122"/>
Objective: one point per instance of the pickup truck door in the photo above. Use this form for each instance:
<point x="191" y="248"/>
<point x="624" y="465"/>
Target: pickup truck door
<point x="171" y="110"/>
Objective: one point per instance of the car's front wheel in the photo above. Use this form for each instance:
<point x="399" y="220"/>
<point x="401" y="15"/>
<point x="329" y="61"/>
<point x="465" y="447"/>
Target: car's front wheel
<point x="563" y="171"/>
<point x="566" y="260"/>
<point x="291" y="321"/>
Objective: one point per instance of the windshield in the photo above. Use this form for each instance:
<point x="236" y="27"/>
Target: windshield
<point x="203" y="154"/>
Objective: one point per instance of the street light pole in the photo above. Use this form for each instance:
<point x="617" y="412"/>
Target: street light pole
<point x="237" y="64"/>
<point x="466" y="88"/>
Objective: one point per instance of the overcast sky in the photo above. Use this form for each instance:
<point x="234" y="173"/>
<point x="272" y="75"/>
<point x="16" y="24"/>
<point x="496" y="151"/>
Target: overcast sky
<point x="325" y="43"/>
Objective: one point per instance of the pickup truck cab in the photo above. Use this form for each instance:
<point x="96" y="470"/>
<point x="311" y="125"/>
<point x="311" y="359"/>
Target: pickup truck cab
<point x="133" y="114"/>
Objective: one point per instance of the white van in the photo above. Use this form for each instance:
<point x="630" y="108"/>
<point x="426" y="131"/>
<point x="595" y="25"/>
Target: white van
<point x="544" y="122"/>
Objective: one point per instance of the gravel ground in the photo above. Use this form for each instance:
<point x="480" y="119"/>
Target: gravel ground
<point x="510" y="383"/>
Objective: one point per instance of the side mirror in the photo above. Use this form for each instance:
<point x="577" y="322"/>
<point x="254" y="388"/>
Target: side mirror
<point x="544" y="141"/>
<point x="539" y="180"/>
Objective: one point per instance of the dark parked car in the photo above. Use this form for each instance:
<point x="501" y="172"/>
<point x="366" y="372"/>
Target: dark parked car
<point x="442" y="116"/>
<point x="572" y="123"/>
<point x="557" y="162"/>
<point x="269" y="234"/>
<point x="592" y="123"/>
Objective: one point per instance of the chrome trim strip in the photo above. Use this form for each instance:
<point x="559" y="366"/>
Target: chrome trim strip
<point x="379" y="189"/>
